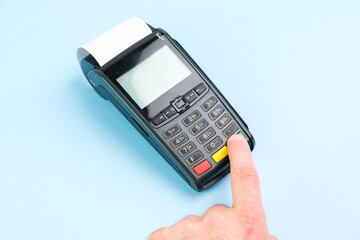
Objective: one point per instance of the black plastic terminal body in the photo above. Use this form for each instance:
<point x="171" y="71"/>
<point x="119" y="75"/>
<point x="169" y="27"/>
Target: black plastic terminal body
<point x="107" y="89"/>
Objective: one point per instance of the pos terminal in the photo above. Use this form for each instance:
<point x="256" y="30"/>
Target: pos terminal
<point x="161" y="90"/>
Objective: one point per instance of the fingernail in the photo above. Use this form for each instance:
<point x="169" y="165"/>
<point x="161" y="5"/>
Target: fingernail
<point x="236" y="137"/>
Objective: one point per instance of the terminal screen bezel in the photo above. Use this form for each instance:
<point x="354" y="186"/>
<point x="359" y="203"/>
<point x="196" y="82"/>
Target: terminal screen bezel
<point x="141" y="51"/>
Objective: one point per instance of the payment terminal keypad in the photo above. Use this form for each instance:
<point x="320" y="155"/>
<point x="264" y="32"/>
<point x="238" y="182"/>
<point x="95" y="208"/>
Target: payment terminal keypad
<point x="200" y="136"/>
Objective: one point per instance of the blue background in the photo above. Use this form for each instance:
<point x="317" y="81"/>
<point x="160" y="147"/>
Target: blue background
<point x="72" y="167"/>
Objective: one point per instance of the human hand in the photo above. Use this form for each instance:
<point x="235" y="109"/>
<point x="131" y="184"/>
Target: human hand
<point x="245" y="220"/>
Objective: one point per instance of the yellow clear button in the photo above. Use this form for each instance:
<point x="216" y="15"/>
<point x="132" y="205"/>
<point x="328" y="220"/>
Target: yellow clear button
<point x="219" y="155"/>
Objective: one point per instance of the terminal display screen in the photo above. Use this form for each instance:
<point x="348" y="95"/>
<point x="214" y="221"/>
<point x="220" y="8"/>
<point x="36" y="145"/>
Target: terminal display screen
<point x="152" y="77"/>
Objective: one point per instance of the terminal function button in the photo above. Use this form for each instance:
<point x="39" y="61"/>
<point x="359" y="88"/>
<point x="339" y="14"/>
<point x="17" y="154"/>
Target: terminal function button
<point x="180" y="103"/>
<point x="190" y="96"/>
<point x="209" y="103"/>
<point x="202" y="167"/>
<point x="216" y="112"/>
<point x="172" y="131"/>
<point x="206" y="135"/>
<point x="240" y="133"/>
<point x="194" y="158"/>
<point x="179" y="140"/>
<point x="213" y="144"/>
<point x="199" y="89"/>
<point x="186" y="149"/>
<point x="220" y="155"/>
<point x="223" y="121"/>
<point x="230" y="130"/>
<point x="169" y="111"/>
<point x="158" y="119"/>
<point x="199" y="126"/>
<point x="191" y="118"/>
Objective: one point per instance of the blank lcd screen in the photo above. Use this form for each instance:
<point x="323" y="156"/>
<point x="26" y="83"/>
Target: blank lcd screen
<point x="154" y="76"/>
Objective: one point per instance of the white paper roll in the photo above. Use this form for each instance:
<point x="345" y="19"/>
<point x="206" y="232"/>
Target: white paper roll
<point x="109" y="44"/>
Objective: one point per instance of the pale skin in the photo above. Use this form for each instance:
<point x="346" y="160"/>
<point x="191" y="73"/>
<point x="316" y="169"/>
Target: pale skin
<point x="245" y="220"/>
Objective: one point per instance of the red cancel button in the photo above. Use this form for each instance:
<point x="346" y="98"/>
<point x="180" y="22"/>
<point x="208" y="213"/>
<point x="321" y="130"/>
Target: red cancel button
<point x="202" y="167"/>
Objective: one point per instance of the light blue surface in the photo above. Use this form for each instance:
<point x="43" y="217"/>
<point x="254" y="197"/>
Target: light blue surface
<point x="72" y="167"/>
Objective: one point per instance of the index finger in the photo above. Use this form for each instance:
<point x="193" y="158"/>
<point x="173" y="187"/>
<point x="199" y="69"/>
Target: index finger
<point x="245" y="182"/>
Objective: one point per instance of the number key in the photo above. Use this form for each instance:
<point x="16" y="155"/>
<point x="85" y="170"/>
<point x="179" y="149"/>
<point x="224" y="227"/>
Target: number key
<point x="216" y="112"/>
<point x="206" y="135"/>
<point x="209" y="103"/>
<point x="186" y="149"/>
<point x="172" y="131"/>
<point x="179" y="140"/>
<point x="213" y="144"/>
<point x="198" y="127"/>
<point x="191" y="118"/>
<point x="223" y="121"/>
